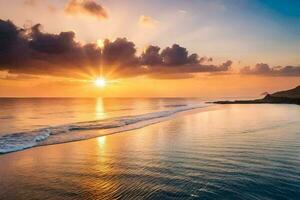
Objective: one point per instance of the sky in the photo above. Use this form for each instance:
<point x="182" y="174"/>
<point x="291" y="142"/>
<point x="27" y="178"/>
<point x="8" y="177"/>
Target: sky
<point x="170" y="48"/>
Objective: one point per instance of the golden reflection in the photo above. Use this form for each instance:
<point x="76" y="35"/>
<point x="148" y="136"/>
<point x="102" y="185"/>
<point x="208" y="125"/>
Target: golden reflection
<point x="100" y="112"/>
<point x="101" y="141"/>
<point x="101" y="146"/>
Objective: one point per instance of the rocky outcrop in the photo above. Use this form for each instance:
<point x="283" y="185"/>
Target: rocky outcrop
<point x="283" y="97"/>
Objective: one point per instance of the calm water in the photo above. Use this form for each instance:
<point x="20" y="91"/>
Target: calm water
<point x="231" y="152"/>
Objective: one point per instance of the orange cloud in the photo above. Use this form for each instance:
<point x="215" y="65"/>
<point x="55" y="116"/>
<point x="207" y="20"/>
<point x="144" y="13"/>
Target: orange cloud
<point x="86" y="7"/>
<point x="147" y="21"/>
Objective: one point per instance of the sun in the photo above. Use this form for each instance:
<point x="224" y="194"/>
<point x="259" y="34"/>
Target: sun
<point x="100" y="43"/>
<point x="100" y="82"/>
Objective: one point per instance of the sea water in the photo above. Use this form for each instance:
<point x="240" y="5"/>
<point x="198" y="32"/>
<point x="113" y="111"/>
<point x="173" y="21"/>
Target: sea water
<point x="232" y="152"/>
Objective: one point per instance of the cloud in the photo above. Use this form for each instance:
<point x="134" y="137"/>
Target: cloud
<point x="35" y="52"/>
<point x="151" y="56"/>
<point x="147" y="21"/>
<point x="30" y="51"/>
<point x="205" y="59"/>
<point x="86" y="7"/>
<point x="121" y="52"/>
<point x="176" y="55"/>
<point x="183" y="12"/>
<point x="175" y="62"/>
<point x="266" y="70"/>
<point x="226" y="65"/>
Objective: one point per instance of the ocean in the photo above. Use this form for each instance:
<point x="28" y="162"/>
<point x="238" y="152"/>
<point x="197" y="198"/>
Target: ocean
<point x="148" y="149"/>
<point x="31" y="122"/>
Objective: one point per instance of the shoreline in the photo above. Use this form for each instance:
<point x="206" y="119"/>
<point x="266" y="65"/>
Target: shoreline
<point x="291" y="96"/>
<point x="117" y="130"/>
<point x="266" y="100"/>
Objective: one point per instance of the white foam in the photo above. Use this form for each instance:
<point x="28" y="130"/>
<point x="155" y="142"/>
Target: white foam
<point x="76" y="131"/>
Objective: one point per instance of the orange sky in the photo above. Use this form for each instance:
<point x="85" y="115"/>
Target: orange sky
<point x="203" y="86"/>
<point x="222" y="31"/>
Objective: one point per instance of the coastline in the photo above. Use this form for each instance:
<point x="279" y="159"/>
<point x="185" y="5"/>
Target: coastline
<point x="291" y="96"/>
<point x="95" y="133"/>
<point x="267" y="100"/>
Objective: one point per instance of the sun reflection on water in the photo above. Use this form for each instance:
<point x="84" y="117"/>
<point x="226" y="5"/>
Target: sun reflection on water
<point x="100" y="112"/>
<point x="101" y="145"/>
<point x="101" y="141"/>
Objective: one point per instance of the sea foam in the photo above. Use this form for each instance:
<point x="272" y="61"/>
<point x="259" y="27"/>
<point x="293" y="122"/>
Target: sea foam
<point x="76" y="131"/>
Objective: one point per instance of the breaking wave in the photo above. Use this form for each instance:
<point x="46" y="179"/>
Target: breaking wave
<point x="82" y="130"/>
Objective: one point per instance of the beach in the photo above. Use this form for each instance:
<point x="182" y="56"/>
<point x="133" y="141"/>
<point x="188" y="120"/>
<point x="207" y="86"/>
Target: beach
<point x="217" y="154"/>
<point x="149" y="100"/>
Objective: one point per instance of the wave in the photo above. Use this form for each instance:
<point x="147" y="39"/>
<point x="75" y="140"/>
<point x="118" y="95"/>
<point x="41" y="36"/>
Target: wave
<point x="77" y="131"/>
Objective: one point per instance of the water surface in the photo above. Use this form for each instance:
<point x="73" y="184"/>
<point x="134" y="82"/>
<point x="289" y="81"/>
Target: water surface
<point x="27" y="123"/>
<point x="236" y="152"/>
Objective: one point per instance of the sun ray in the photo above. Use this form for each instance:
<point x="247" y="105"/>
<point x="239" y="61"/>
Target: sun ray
<point x="100" y="82"/>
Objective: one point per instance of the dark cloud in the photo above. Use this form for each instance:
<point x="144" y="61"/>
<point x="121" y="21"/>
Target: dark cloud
<point x="120" y="56"/>
<point x="151" y="56"/>
<point x="205" y="59"/>
<point x="178" y="58"/>
<point x="193" y="59"/>
<point x="226" y="66"/>
<point x="87" y="7"/>
<point x="32" y="51"/>
<point x="175" y="55"/>
<point x="120" y="52"/>
<point x="51" y="43"/>
<point x="266" y="70"/>
<point x="175" y="62"/>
